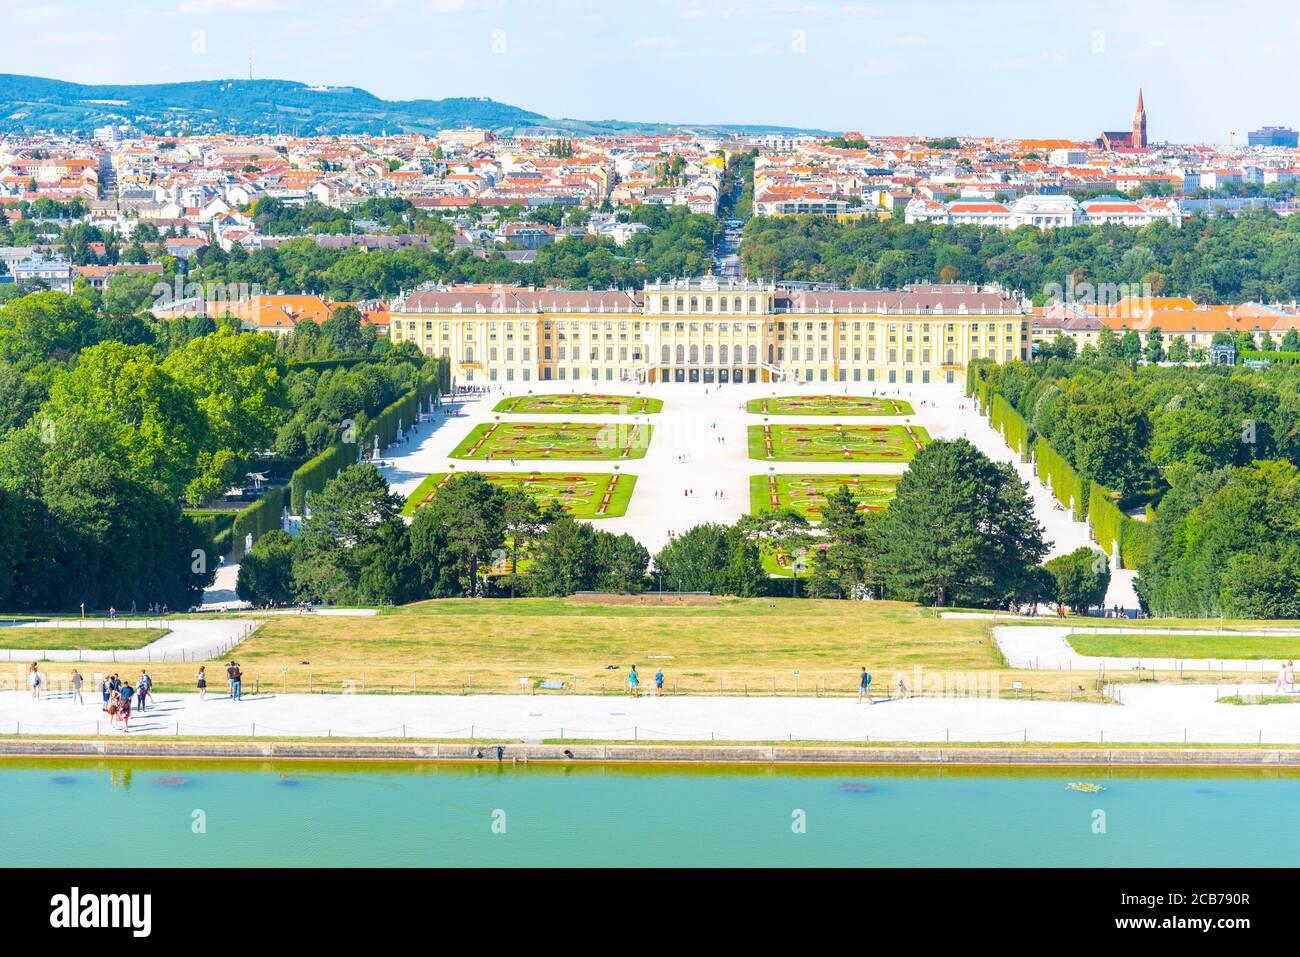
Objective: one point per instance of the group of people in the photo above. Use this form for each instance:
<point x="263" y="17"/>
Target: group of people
<point x="634" y="682"/>
<point x="119" y="696"/>
<point x="1286" y="677"/>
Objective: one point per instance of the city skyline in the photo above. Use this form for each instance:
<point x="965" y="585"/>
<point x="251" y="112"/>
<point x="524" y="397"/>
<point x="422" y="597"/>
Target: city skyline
<point x="923" y="69"/>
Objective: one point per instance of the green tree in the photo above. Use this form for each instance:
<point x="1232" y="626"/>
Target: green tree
<point x="472" y="511"/>
<point x="960" y="530"/>
<point x="1080" y="578"/>
<point x="266" y="570"/>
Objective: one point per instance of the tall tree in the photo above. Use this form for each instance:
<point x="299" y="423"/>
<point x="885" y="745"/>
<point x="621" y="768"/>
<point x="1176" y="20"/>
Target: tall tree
<point x="960" y="530"/>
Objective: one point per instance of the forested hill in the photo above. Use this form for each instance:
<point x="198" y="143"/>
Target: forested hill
<point x="29" y="103"/>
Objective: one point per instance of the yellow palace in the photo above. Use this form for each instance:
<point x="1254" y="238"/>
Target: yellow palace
<point x="712" y="330"/>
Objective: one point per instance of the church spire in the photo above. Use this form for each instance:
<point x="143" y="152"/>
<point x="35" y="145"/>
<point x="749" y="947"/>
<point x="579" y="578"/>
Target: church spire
<point x="1139" y="139"/>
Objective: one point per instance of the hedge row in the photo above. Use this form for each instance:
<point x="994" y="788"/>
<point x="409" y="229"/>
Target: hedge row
<point x="259" y="518"/>
<point x="1069" y="487"/>
<point x="315" y="472"/>
<point x="1273" y="358"/>
<point x="1110" y="526"/>
<point x="265" y="514"/>
<point x="1004" y="417"/>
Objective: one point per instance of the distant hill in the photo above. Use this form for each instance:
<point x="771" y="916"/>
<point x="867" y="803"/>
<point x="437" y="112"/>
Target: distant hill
<point x="30" y="103"/>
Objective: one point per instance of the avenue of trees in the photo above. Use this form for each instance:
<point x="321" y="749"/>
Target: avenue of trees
<point x="1252" y="256"/>
<point x="111" y="423"/>
<point x="1213" y="452"/>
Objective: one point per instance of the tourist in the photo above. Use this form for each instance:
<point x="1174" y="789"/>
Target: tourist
<point x="112" y="613"/>
<point x="202" y="680"/>
<point x="902" y="687"/>
<point x="76" y="686"/>
<point x="236" y="681"/>
<point x="35" y="680"/>
<point x="659" y="682"/>
<point x="864" y="687"/>
<point x="143" y="688"/>
<point x="114" y="706"/>
<point x="1289" y="671"/>
<point x="633" y="684"/>
<point x="106" y="689"/>
<point x="230" y="678"/>
<point x="125" y="711"/>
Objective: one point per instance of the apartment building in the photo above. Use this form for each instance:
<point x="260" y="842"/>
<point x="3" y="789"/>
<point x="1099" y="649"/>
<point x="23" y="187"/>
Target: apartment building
<point x="713" y="330"/>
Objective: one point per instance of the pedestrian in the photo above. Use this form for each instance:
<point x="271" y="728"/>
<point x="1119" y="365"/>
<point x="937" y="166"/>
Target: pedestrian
<point x="230" y="678"/>
<point x="106" y="689"/>
<point x="35" y="680"/>
<point x="143" y="688"/>
<point x="864" y="686"/>
<point x="201" y="679"/>
<point x="902" y="687"/>
<point x="633" y="684"/>
<point x="237" y="682"/>
<point x="125" y="712"/>
<point x="659" y="682"/>
<point x="76" y="686"/>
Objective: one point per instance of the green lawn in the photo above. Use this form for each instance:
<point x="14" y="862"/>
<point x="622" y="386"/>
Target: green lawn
<point x="836" y="443"/>
<point x="561" y="440"/>
<point x="581" y="494"/>
<point x="580" y="403"/>
<point x="828" y="405"/>
<point x="807" y="493"/>
<point x="1261" y="699"/>
<point x="1130" y="645"/>
<point x="79" y="639"/>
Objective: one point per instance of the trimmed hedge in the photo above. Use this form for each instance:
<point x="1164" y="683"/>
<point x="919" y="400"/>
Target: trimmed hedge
<point x="314" y="473"/>
<point x="1060" y="476"/>
<point x="1110" y="526"/>
<point x="256" y="520"/>
<point x="1273" y="358"/>
<point x="1004" y="417"/>
<point x="1107" y="520"/>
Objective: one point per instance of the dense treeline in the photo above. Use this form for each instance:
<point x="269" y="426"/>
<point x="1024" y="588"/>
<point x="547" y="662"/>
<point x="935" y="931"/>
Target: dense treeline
<point x="961" y="531"/>
<point x="1211" y="452"/>
<point x="679" y="243"/>
<point x="110" y="421"/>
<point x="1251" y="256"/>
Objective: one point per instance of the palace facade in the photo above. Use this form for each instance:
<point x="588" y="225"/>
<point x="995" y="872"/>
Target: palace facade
<point x="712" y="330"/>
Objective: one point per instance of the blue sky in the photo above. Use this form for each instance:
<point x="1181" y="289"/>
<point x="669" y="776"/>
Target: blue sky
<point x="1009" y="68"/>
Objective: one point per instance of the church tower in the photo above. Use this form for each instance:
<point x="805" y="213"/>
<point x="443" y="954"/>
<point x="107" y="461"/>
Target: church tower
<point x="1139" y="140"/>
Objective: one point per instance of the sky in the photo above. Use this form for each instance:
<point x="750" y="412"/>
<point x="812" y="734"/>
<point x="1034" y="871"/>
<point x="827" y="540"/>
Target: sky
<point x="1035" y="68"/>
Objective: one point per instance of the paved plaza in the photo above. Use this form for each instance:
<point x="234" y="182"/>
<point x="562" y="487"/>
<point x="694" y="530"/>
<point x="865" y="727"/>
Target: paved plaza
<point x="700" y="446"/>
<point x="1153" y="714"/>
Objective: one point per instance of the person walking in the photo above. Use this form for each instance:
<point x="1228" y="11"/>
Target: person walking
<point x="864" y="686"/>
<point x="201" y="679"/>
<point x="633" y="684"/>
<point x="106" y="689"/>
<point x="76" y="686"/>
<point x="125" y="712"/>
<point x="230" y="678"/>
<point x="659" y="682"/>
<point x="143" y="688"/>
<point x="34" y="679"/>
<point x="236" y="682"/>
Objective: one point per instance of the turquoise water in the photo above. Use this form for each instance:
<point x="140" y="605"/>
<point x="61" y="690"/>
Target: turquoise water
<point x="58" y="813"/>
